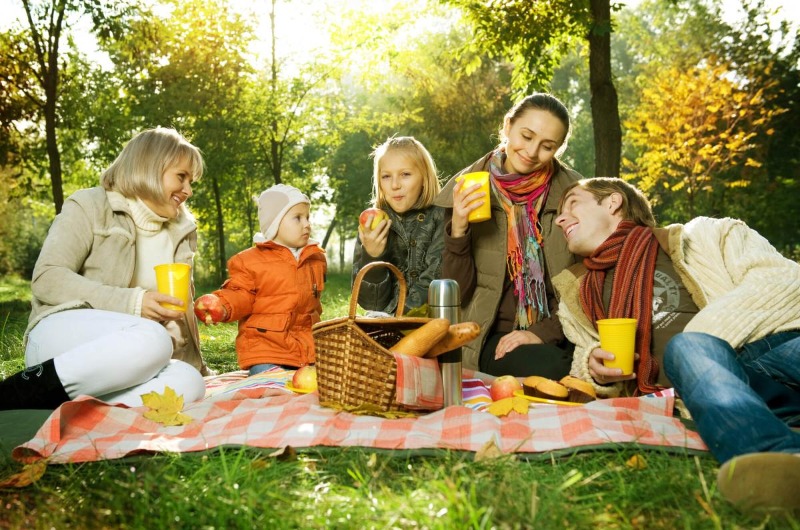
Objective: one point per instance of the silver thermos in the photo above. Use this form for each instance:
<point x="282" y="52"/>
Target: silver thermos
<point x="444" y="301"/>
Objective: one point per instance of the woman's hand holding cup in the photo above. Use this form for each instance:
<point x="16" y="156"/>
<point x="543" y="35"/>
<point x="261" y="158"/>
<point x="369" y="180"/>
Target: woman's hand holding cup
<point x="152" y="306"/>
<point x="466" y="198"/>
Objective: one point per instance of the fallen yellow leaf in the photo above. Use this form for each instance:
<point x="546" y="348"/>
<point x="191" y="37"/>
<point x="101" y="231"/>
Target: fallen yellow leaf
<point x="636" y="462"/>
<point x="489" y="451"/>
<point x="520" y="405"/>
<point x="370" y="410"/>
<point x="165" y="408"/>
<point x="503" y="407"/>
<point x="30" y="473"/>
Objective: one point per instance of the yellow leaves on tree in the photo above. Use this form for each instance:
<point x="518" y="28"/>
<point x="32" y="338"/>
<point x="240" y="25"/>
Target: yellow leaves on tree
<point x="165" y="408"/>
<point x="694" y="125"/>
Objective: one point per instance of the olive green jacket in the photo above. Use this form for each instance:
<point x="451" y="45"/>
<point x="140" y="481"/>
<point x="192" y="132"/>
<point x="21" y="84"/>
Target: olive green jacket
<point x="481" y="300"/>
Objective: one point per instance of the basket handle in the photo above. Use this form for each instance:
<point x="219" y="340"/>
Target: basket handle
<point x="401" y="301"/>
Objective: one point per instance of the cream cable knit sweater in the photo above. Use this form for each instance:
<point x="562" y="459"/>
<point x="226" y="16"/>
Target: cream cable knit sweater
<point x="745" y="289"/>
<point x="153" y="247"/>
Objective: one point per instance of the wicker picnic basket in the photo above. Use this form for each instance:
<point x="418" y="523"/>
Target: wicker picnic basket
<point x="354" y="364"/>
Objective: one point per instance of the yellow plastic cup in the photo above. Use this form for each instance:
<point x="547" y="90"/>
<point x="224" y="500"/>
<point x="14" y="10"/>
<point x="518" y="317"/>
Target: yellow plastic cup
<point x="173" y="279"/>
<point x="618" y="335"/>
<point x="483" y="212"/>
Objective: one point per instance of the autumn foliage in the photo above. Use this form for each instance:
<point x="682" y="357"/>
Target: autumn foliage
<point x="698" y="131"/>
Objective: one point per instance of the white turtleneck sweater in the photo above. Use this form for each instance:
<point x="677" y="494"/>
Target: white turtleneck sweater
<point x="153" y="247"/>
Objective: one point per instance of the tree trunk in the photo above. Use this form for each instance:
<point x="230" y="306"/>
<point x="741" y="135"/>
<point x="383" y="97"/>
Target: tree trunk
<point x="341" y="254"/>
<point x="274" y="144"/>
<point x="328" y="232"/>
<point x="222" y="272"/>
<point x="46" y="47"/>
<point x="605" y="108"/>
<point x="53" y="154"/>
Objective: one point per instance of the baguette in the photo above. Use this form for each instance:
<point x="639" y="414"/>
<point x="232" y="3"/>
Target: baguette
<point x="457" y="335"/>
<point x="418" y="342"/>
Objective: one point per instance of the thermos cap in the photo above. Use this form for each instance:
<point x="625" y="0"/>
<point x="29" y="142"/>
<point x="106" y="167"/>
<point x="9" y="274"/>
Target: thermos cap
<point x="444" y="293"/>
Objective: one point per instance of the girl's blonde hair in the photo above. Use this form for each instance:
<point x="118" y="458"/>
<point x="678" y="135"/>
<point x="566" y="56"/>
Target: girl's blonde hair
<point x="422" y="160"/>
<point x="137" y="172"/>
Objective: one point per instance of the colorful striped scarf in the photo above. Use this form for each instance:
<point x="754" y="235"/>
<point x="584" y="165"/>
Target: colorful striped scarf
<point x="524" y="260"/>
<point x="632" y="251"/>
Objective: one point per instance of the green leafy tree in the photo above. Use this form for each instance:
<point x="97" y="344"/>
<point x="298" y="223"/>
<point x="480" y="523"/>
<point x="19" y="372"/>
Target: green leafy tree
<point x="189" y="70"/>
<point x="404" y="86"/>
<point x="536" y="35"/>
<point x="36" y="49"/>
<point x="742" y="161"/>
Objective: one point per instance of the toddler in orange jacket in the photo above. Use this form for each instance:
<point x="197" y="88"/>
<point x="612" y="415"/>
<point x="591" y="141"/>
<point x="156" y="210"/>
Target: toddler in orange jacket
<point x="274" y="287"/>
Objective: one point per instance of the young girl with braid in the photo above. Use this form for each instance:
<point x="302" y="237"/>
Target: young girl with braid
<point x="504" y="265"/>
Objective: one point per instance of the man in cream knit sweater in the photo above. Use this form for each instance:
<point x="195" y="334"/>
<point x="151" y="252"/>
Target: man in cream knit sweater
<point x="718" y="318"/>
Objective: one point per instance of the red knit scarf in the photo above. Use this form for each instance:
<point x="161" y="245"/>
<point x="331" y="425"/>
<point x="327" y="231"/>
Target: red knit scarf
<point x="632" y="251"/>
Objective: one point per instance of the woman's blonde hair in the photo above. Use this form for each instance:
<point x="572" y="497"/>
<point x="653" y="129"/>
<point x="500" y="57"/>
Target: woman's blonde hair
<point x="422" y="160"/>
<point x="137" y="172"/>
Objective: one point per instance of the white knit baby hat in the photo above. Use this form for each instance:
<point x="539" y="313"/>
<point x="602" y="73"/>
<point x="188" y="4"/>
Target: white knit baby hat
<point x="273" y="204"/>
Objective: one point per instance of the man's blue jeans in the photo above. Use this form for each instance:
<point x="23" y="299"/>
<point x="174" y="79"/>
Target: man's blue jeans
<point x="742" y="401"/>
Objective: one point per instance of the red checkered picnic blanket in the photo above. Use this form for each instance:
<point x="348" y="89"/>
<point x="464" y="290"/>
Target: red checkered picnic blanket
<point x="269" y="416"/>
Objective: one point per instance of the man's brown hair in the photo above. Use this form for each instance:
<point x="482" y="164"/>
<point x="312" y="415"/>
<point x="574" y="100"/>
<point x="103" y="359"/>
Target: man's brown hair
<point x="635" y="206"/>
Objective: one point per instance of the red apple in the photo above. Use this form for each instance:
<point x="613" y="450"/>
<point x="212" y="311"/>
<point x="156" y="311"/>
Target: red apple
<point x="377" y="214"/>
<point x="305" y="378"/>
<point x="504" y="387"/>
<point x="209" y="309"/>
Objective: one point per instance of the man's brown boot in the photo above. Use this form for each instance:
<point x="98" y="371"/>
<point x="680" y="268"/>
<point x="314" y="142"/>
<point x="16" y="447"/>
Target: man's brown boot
<point x="762" y="482"/>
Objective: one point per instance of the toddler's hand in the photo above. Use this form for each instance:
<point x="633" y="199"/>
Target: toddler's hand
<point x="209" y="309"/>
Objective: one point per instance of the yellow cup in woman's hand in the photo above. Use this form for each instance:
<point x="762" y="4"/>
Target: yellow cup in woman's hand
<point x="173" y="279"/>
<point x="484" y="211"/>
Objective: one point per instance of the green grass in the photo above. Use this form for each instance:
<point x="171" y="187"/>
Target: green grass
<point x="359" y="488"/>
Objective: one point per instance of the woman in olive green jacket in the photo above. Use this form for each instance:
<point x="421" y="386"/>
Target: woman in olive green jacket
<point x="504" y="265"/>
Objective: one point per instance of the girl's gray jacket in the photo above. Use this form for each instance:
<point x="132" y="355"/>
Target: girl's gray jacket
<point x="415" y="246"/>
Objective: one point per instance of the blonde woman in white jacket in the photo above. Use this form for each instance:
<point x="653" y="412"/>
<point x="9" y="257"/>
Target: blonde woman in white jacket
<point x="97" y="325"/>
<point x="718" y="312"/>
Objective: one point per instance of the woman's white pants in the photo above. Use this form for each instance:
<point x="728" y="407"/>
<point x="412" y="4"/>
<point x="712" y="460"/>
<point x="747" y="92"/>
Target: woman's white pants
<point x="112" y="356"/>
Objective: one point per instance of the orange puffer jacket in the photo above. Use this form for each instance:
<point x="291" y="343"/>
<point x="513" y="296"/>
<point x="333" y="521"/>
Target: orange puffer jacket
<point x="276" y="299"/>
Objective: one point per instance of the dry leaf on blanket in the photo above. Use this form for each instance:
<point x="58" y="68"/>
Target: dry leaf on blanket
<point x="503" y="407"/>
<point x="366" y="409"/>
<point x="165" y="408"/>
<point x="285" y="454"/>
<point x="520" y="404"/>
<point x="30" y="473"/>
<point x="488" y="451"/>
